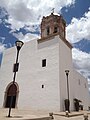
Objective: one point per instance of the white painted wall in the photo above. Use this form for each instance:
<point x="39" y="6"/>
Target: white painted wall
<point x="32" y="79"/>
<point x="31" y="75"/>
<point x="65" y="63"/>
<point x="81" y="89"/>
<point x="6" y="74"/>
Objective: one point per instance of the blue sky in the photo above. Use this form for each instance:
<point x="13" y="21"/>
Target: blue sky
<point x="77" y="10"/>
<point x="21" y="20"/>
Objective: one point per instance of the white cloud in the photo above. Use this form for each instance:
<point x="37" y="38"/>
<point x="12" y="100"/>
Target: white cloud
<point x="25" y="38"/>
<point x="32" y="28"/>
<point x="79" y="28"/>
<point x="81" y="61"/>
<point x="30" y="12"/>
<point x="26" y="12"/>
<point x="2" y="47"/>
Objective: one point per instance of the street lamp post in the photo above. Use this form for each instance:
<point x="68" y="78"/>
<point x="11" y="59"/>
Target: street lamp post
<point x="18" y="44"/>
<point x="67" y="73"/>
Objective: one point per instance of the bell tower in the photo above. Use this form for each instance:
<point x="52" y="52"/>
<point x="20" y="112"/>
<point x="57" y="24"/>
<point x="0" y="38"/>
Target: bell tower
<point x="53" y="24"/>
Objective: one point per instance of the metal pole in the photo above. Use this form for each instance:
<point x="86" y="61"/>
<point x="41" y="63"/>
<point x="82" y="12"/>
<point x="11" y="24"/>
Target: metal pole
<point x="68" y="92"/>
<point x="67" y="87"/>
<point x="13" y="85"/>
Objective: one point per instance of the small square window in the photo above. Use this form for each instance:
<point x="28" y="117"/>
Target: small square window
<point x="43" y="62"/>
<point x="42" y="86"/>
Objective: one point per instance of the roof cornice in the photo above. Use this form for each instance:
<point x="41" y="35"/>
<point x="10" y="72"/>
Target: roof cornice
<point x="51" y="36"/>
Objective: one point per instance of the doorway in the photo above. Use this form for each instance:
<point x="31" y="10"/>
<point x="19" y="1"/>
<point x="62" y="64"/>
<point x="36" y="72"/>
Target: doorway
<point x="11" y="93"/>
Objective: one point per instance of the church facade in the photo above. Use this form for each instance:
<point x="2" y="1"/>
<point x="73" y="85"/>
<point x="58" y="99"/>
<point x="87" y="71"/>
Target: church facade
<point x="41" y="82"/>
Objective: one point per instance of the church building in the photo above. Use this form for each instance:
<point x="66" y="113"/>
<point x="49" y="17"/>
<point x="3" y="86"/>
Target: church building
<point x="41" y="81"/>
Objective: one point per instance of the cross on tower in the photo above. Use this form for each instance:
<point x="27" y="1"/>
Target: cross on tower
<point x="53" y="10"/>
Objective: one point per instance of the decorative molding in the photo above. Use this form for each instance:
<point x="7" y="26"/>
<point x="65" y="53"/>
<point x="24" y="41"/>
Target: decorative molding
<point x="51" y="36"/>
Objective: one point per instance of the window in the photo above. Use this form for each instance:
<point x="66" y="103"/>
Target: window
<point x="55" y="29"/>
<point x="42" y="86"/>
<point x="48" y="30"/>
<point x="43" y="62"/>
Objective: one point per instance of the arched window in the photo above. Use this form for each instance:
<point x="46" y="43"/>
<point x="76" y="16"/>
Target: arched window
<point x="55" y="29"/>
<point x="48" y="30"/>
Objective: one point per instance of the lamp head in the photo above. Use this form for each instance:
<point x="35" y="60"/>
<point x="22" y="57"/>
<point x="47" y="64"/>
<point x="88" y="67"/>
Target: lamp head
<point x="67" y="72"/>
<point x="19" y="44"/>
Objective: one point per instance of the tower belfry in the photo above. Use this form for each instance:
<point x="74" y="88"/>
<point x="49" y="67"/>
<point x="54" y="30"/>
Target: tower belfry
<point x="53" y="24"/>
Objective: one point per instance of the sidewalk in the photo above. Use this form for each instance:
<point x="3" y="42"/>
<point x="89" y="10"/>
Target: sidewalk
<point x="23" y="115"/>
<point x="41" y="115"/>
<point x="72" y="113"/>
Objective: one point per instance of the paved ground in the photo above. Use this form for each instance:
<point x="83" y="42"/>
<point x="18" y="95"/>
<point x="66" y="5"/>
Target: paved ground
<point x="33" y="115"/>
